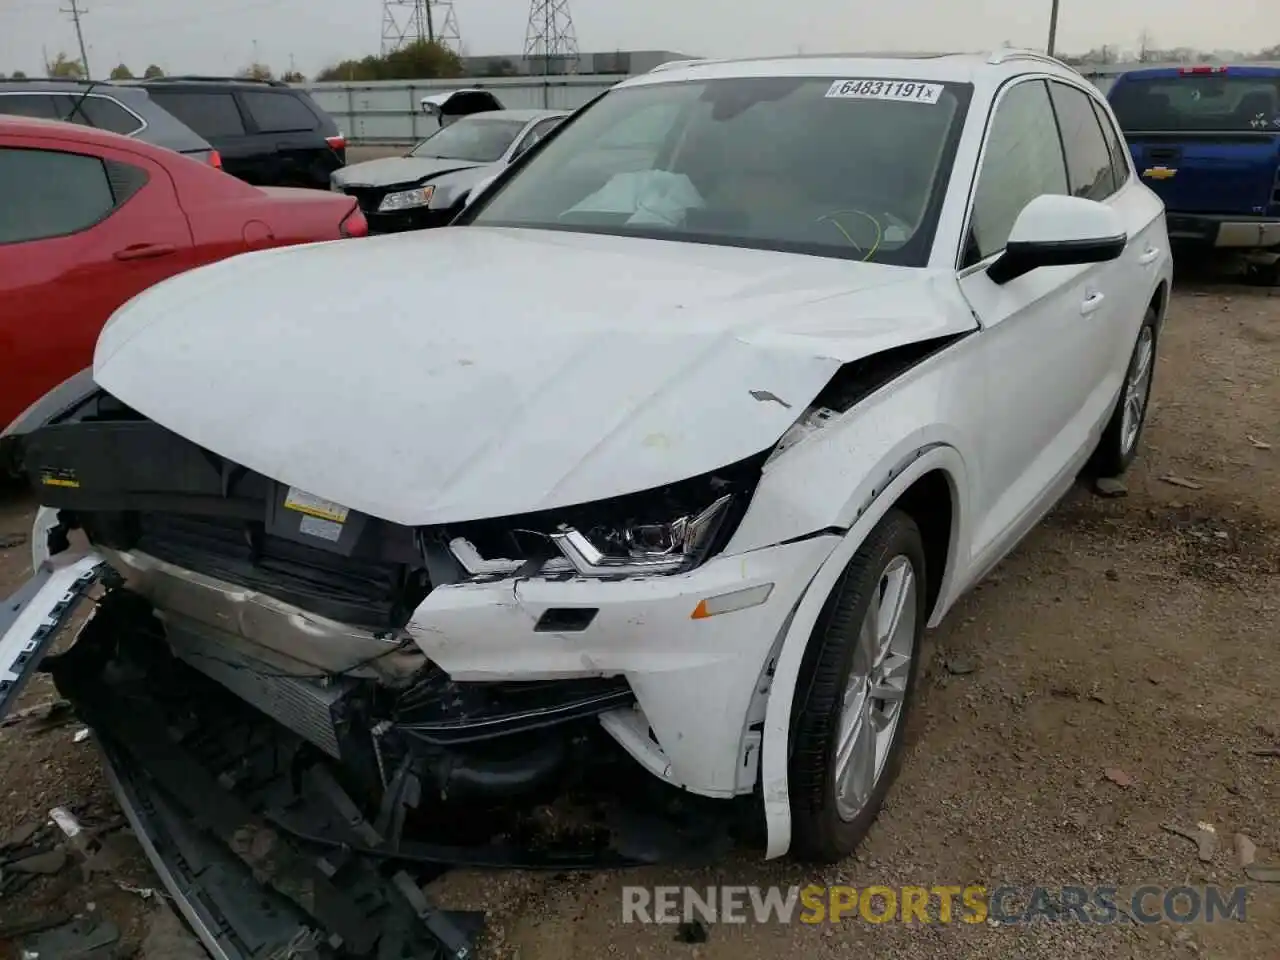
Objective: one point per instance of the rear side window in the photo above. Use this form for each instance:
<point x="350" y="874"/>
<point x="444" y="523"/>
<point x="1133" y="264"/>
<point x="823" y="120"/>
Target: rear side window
<point x="98" y="112"/>
<point x="38" y="105"/>
<point x="1115" y="143"/>
<point x="1197" y="103"/>
<point x="46" y="193"/>
<point x="209" y="114"/>
<point x="1089" y="163"/>
<point x="106" y="114"/>
<point x="279" y="112"/>
<point x="1023" y="160"/>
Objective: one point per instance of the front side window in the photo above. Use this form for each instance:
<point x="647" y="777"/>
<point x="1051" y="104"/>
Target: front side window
<point x="39" y="105"/>
<point x="477" y="138"/>
<point x="536" y="133"/>
<point x="851" y="167"/>
<point x="1089" y="163"/>
<point x="1023" y="160"/>
<point x="47" y="193"/>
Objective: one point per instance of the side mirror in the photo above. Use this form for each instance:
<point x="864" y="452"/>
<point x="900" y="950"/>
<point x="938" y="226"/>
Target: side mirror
<point x="1058" y="231"/>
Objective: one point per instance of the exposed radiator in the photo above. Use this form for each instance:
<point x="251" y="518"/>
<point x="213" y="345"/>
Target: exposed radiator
<point x="308" y="708"/>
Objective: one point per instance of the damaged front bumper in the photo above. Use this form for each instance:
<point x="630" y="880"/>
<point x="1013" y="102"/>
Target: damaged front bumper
<point x="32" y="618"/>
<point x="255" y="834"/>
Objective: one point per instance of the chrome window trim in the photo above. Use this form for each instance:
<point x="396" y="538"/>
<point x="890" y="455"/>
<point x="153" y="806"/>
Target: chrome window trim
<point x="142" y="123"/>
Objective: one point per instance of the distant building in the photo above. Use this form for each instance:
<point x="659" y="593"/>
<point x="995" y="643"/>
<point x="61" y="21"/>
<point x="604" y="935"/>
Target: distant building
<point x="620" y="62"/>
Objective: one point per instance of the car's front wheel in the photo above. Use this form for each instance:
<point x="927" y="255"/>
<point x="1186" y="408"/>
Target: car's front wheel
<point x="855" y="688"/>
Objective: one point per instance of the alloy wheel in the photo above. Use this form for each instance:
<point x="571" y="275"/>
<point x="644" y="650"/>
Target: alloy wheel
<point x="1137" y="388"/>
<point x="877" y="687"/>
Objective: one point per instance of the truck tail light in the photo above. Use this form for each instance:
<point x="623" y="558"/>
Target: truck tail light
<point x="354" y="224"/>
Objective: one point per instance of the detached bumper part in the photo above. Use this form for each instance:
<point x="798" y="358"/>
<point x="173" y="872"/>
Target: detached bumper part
<point x="31" y="619"/>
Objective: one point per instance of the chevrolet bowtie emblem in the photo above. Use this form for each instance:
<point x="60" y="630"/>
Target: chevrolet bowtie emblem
<point x="1159" y="173"/>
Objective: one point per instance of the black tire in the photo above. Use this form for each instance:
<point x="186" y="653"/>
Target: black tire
<point x="819" y="834"/>
<point x="1112" y="458"/>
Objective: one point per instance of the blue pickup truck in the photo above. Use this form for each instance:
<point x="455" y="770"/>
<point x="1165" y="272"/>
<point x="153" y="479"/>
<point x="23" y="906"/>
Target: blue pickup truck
<point x="1207" y="140"/>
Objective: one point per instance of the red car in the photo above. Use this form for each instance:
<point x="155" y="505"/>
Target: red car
<point x="89" y="218"/>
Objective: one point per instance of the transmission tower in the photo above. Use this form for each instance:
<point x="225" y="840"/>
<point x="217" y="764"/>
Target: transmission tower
<point x="550" y="43"/>
<point x="409" y="21"/>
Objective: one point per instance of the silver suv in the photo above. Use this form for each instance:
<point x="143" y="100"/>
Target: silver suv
<point x="128" y="110"/>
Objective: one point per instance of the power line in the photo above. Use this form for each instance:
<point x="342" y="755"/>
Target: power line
<point x="76" y="13"/>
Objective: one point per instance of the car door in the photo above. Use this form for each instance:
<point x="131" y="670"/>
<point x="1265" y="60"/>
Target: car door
<point x="83" y="230"/>
<point x="287" y="133"/>
<point x="1038" y="349"/>
<point x="1092" y="171"/>
<point x="1142" y="213"/>
<point x="215" y="115"/>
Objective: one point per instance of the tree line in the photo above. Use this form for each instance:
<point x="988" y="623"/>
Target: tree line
<point x="416" y="60"/>
<point x="1146" y="51"/>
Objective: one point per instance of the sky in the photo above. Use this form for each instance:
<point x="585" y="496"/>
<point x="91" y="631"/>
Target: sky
<point x="222" y="36"/>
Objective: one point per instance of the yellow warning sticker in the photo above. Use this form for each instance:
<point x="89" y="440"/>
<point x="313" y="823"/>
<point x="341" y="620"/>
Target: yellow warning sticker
<point x="59" y="478"/>
<point x="314" y="506"/>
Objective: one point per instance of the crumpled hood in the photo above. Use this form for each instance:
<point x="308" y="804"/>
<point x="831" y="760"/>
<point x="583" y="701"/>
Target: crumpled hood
<point x="393" y="171"/>
<point x="471" y="372"/>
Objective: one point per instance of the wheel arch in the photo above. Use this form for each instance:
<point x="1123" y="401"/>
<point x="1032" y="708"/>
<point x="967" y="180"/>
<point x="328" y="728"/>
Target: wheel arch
<point x="934" y="471"/>
<point x="1160" y="302"/>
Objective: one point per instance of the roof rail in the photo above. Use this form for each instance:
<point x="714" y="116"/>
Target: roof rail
<point x="196" y="78"/>
<point x="1006" y="54"/>
<point x="73" y="80"/>
<point x="679" y="64"/>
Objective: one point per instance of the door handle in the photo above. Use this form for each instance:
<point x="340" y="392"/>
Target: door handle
<point x="1091" y="303"/>
<point x="1149" y="256"/>
<point x="145" y="251"/>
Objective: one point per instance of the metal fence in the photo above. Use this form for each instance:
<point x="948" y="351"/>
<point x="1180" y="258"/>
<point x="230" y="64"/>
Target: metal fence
<point x="389" y="111"/>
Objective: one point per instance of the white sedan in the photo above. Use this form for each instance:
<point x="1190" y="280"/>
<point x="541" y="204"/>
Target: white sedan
<point x="693" y="423"/>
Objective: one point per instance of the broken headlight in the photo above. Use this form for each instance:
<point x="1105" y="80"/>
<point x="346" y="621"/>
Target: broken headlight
<point x="653" y="532"/>
<point x="640" y="548"/>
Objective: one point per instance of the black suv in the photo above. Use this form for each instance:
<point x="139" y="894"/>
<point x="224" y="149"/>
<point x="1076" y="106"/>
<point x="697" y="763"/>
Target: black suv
<point x="268" y="133"/>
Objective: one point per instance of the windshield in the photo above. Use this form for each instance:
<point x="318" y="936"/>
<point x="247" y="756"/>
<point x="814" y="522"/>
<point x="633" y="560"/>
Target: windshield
<point x="847" y="168"/>
<point x="482" y="139"/>
<point x="1191" y="103"/>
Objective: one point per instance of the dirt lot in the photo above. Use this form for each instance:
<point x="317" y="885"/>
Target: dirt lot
<point x="1118" y="673"/>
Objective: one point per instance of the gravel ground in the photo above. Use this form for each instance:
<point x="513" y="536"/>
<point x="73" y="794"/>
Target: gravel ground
<point x="1117" y="673"/>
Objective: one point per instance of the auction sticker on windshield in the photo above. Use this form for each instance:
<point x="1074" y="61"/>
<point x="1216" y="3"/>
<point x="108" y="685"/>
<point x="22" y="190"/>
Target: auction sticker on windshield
<point x="910" y="91"/>
<point x="315" y="506"/>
